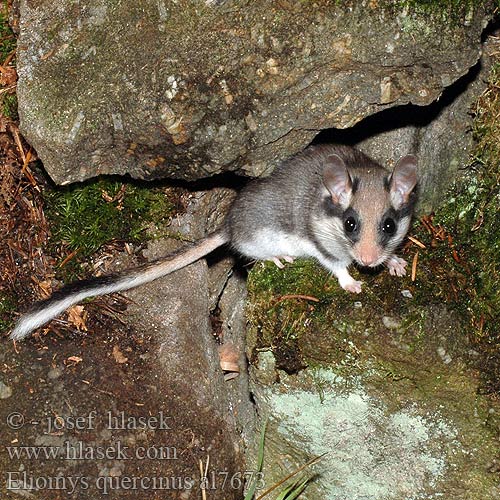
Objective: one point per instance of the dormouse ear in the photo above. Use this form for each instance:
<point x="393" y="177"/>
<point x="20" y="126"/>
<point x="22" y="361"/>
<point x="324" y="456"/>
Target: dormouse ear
<point x="337" y="180"/>
<point x="403" y="180"/>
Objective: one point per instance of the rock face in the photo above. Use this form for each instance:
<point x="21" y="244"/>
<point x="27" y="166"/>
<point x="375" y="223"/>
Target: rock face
<point x="149" y="392"/>
<point x="384" y="396"/>
<point x="191" y="89"/>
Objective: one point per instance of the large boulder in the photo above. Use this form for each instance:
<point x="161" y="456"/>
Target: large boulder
<point x="191" y="89"/>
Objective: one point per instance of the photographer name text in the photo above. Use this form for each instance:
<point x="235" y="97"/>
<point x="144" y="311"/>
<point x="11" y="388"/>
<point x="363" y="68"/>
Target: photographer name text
<point x="112" y="421"/>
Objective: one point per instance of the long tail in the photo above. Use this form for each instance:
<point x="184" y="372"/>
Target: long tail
<point x="44" y="311"/>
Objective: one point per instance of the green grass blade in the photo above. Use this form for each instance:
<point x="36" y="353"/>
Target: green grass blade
<point x="260" y="462"/>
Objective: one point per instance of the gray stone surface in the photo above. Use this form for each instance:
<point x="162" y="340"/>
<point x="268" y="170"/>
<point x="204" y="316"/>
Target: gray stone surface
<point x="191" y="89"/>
<point x="232" y="306"/>
<point x="393" y="417"/>
<point x="175" y="309"/>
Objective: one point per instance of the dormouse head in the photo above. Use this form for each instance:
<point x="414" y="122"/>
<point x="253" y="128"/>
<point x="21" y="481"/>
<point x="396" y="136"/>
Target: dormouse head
<point x="373" y="207"/>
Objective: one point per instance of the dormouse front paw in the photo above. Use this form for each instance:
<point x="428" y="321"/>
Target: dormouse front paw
<point x="353" y="287"/>
<point x="396" y="266"/>
<point x="350" y="284"/>
<point x="346" y="281"/>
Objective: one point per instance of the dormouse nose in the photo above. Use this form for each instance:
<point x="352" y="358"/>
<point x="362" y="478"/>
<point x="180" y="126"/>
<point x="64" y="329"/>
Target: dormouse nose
<point x="368" y="256"/>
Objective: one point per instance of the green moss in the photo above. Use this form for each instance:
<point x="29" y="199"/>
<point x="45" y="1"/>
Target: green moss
<point x="288" y="294"/>
<point x="84" y="217"/>
<point x="8" y="100"/>
<point x="8" y="305"/>
<point x="9" y="106"/>
<point x="304" y="316"/>
<point x="7" y="38"/>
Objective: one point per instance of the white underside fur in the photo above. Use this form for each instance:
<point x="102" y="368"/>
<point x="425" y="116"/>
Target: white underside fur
<point x="267" y="244"/>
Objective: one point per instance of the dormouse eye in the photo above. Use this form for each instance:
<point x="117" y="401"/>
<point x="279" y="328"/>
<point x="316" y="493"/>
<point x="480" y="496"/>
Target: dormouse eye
<point x="350" y="224"/>
<point x="389" y="226"/>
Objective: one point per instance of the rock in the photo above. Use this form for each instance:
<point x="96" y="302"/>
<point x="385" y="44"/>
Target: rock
<point x="444" y="355"/>
<point x="54" y="373"/>
<point x="391" y="323"/>
<point x="192" y="89"/>
<point x="5" y="391"/>
<point x="390" y="405"/>
<point x="175" y="309"/>
<point x="371" y="447"/>
<point x="265" y="365"/>
<point x="232" y="308"/>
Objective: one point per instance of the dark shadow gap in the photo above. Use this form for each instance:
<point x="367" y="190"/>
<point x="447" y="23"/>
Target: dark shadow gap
<point x="407" y="115"/>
